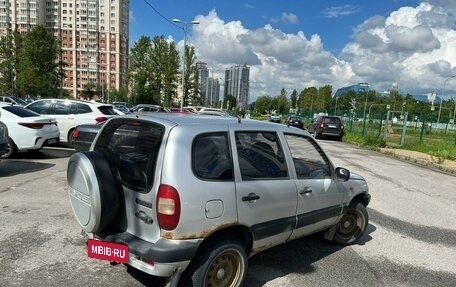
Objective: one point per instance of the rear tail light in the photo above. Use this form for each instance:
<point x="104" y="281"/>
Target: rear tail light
<point x="100" y="119"/>
<point x="322" y="124"/>
<point x="168" y="207"/>
<point x="32" y="125"/>
<point x="76" y="134"/>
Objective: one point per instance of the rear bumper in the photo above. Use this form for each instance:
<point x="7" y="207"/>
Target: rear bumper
<point x="161" y="258"/>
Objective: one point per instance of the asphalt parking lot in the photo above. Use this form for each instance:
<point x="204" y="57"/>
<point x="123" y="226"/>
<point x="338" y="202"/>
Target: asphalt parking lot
<point x="410" y="240"/>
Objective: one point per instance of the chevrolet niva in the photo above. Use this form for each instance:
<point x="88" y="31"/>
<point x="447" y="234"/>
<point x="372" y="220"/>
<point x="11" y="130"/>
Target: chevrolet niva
<point x="191" y="198"/>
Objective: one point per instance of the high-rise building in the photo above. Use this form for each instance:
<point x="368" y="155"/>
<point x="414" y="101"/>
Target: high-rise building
<point x="209" y="87"/>
<point x="94" y="36"/>
<point x="237" y="84"/>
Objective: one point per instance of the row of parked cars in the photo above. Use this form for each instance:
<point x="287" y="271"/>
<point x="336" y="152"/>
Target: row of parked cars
<point x="323" y="126"/>
<point x="47" y="122"/>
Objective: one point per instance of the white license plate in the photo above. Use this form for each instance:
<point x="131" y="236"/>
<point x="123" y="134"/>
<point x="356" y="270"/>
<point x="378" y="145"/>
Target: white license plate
<point x="331" y="126"/>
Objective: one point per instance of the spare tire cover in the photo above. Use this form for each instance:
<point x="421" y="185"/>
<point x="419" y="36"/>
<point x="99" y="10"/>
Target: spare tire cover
<point x="92" y="189"/>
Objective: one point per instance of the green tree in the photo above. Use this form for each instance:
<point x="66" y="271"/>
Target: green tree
<point x="281" y="102"/>
<point x="139" y="74"/>
<point x="230" y="102"/>
<point x="307" y="99"/>
<point x="323" y="101"/>
<point x="120" y="95"/>
<point x="192" y="89"/>
<point x="9" y="63"/>
<point x="294" y="99"/>
<point x="39" y="72"/>
<point x="263" y="104"/>
<point x="153" y="73"/>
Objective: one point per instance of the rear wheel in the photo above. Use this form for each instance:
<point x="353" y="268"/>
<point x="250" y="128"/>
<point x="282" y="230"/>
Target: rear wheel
<point x="352" y="225"/>
<point x="71" y="137"/>
<point x="223" y="264"/>
<point x="11" y="149"/>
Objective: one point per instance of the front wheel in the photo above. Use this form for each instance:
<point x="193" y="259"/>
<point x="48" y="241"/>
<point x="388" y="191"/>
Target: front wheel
<point x="352" y="225"/>
<point x="223" y="264"/>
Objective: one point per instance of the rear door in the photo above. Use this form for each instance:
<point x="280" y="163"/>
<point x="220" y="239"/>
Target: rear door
<point x="266" y="197"/>
<point x="319" y="199"/>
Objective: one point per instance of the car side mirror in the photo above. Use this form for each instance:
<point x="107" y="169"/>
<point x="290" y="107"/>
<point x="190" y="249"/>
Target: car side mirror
<point x="342" y="174"/>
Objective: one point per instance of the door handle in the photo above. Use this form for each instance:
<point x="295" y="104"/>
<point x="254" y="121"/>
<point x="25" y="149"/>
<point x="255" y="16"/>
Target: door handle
<point x="305" y="191"/>
<point x="251" y="197"/>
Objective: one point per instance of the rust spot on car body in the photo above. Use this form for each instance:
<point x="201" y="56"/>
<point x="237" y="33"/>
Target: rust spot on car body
<point x="260" y="249"/>
<point x="205" y="233"/>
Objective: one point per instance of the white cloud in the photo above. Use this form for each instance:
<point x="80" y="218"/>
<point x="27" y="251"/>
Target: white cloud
<point x="337" y="11"/>
<point x="290" y="18"/>
<point x="413" y="46"/>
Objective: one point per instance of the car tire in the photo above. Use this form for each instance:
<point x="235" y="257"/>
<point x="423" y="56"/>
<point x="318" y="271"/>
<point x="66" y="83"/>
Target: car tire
<point x="71" y="136"/>
<point x="223" y="263"/>
<point x="352" y="225"/>
<point x="93" y="190"/>
<point x="11" y="149"/>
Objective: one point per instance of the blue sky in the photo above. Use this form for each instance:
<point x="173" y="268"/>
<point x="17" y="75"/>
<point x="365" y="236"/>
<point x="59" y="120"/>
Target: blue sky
<point x="294" y="44"/>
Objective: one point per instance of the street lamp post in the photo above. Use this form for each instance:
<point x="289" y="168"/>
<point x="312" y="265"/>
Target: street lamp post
<point x="184" y="28"/>
<point x="441" y="99"/>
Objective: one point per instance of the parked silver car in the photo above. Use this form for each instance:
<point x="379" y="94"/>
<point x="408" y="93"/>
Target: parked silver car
<point x="191" y="198"/>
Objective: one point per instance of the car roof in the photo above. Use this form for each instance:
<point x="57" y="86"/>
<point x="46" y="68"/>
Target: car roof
<point x="74" y="101"/>
<point x="173" y="119"/>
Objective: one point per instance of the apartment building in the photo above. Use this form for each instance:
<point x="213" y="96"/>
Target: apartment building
<point x="237" y="84"/>
<point x="94" y="35"/>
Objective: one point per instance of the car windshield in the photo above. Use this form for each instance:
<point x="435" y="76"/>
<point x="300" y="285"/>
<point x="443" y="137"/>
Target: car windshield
<point x="19" y="101"/>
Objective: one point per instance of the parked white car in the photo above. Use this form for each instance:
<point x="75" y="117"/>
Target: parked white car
<point x="71" y="113"/>
<point x="27" y="130"/>
<point x="13" y="100"/>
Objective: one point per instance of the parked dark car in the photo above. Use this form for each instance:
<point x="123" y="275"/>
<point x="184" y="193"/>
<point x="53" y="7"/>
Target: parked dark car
<point x="84" y="136"/>
<point x="327" y="127"/>
<point x="295" y="121"/>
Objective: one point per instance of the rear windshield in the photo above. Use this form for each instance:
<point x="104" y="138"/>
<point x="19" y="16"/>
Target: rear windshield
<point x="131" y="147"/>
<point x="332" y="120"/>
<point x="107" y="110"/>
<point x="21" y="112"/>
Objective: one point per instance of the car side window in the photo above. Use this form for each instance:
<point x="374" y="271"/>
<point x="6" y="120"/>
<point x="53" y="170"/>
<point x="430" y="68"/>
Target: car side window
<point x="41" y="107"/>
<point x="211" y="157"/>
<point x="260" y="156"/>
<point x="80" y="108"/>
<point x="309" y="160"/>
<point x="62" y="108"/>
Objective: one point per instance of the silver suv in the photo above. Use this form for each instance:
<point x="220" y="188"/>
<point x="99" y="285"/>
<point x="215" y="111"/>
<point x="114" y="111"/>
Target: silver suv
<point x="191" y="197"/>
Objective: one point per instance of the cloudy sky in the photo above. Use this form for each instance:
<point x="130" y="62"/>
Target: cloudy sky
<point x="294" y="44"/>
